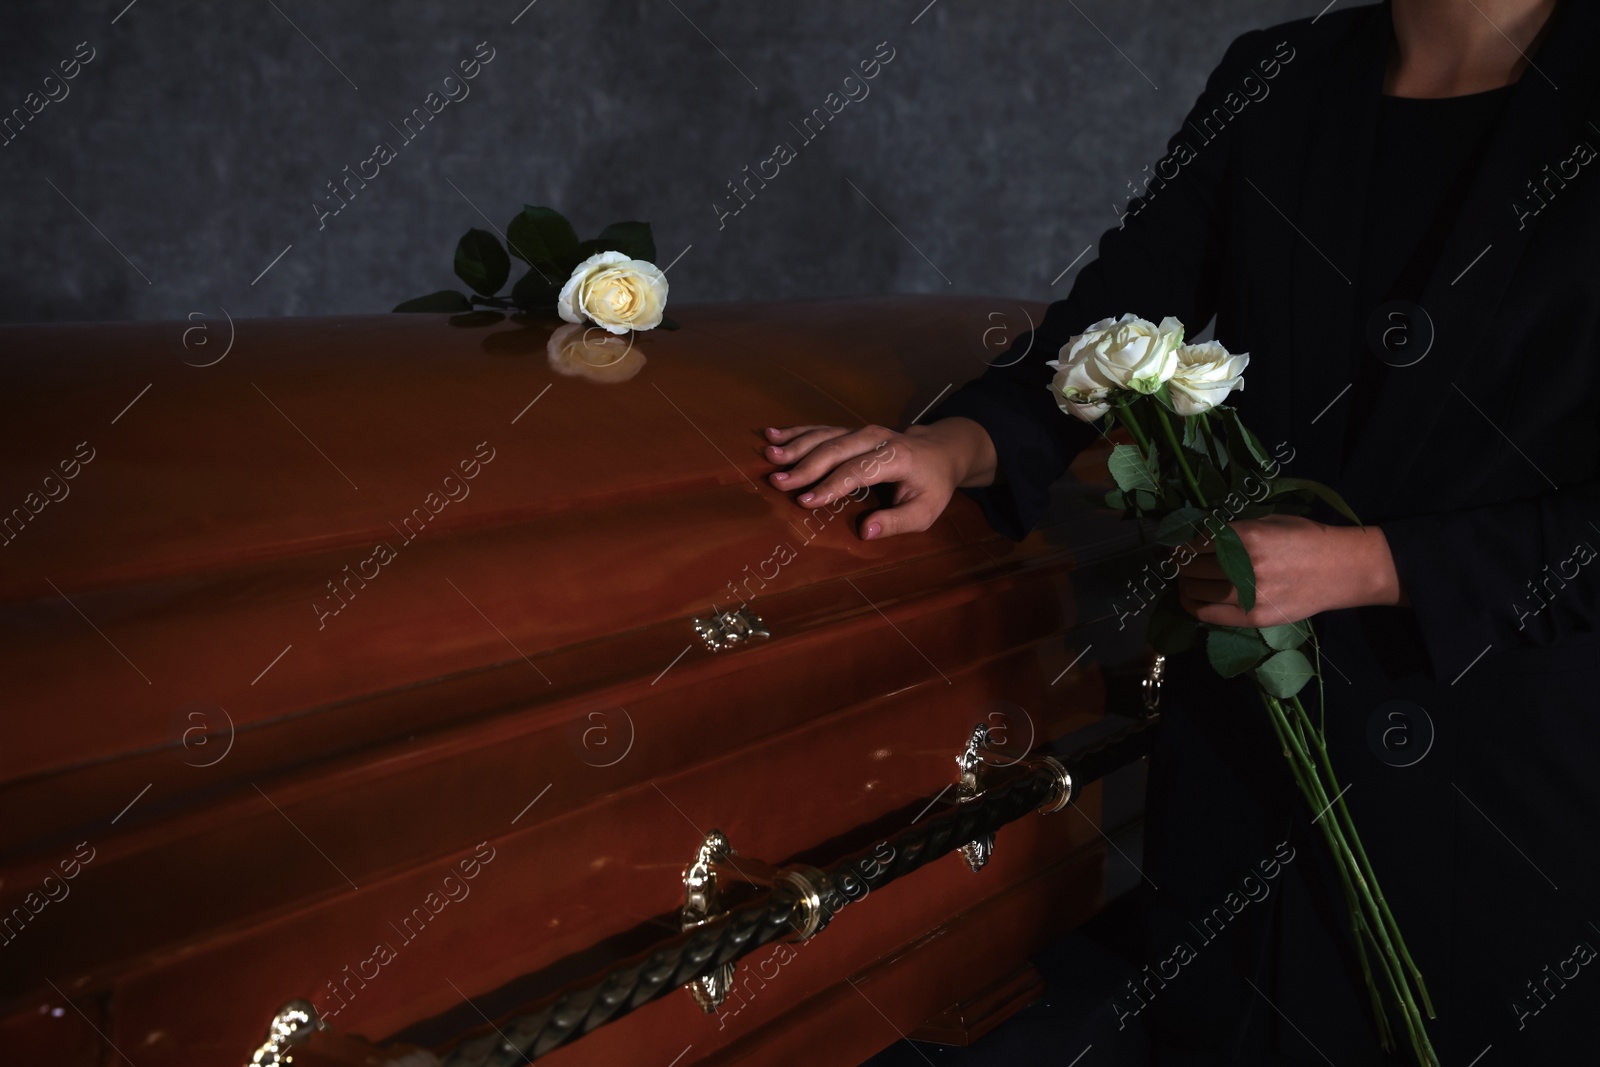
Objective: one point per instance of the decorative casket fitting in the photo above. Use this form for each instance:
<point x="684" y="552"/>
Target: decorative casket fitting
<point x="293" y="1025"/>
<point x="1150" y="684"/>
<point x="980" y="766"/>
<point x="717" y="879"/>
<point x="728" y="628"/>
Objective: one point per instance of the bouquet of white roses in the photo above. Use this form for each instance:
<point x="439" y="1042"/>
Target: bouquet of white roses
<point x="1194" y="468"/>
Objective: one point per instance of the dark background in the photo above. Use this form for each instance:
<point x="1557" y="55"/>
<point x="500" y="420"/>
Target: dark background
<point x="1000" y="141"/>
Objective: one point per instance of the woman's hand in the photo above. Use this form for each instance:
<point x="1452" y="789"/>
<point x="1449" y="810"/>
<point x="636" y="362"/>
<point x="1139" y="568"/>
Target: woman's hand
<point x="1302" y="568"/>
<point x="926" y="463"/>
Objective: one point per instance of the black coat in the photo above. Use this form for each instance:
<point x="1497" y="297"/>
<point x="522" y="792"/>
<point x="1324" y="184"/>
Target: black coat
<point x="1479" y="463"/>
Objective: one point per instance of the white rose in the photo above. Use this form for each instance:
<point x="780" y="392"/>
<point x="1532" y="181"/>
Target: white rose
<point x="615" y="293"/>
<point x="590" y="352"/>
<point x="1128" y="353"/>
<point x="1206" y="374"/>
<point x="1077" y="389"/>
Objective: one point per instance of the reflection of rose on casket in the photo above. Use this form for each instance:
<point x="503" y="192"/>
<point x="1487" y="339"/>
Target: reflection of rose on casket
<point x="590" y="352"/>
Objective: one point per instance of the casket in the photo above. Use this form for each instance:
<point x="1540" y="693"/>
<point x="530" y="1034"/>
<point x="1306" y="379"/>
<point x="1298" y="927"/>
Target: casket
<point x="385" y="663"/>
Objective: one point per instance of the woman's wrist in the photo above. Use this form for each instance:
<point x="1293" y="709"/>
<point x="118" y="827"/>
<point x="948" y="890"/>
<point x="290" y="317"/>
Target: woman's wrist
<point x="968" y="446"/>
<point x="1379" y="583"/>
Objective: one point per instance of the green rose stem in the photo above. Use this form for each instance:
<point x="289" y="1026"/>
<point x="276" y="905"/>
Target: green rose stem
<point x="1366" y="865"/>
<point x="1366" y="876"/>
<point x="1305" y="749"/>
<point x="1177" y="450"/>
<point x="1345" y="858"/>
<point x="1126" y="413"/>
<point x="1358" y="929"/>
<point x="1133" y="427"/>
<point x="1358" y="926"/>
<point x="1211" y="436"/>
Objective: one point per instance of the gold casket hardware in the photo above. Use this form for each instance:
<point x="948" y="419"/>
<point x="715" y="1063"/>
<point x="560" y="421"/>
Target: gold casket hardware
<point x="293" y="1025"/>
<point x="729" y="628"/>
<point x="713" y="877"/>
<point x="979" y="764"/>
<point x="737" y="904"/>
<point x="1150" y="686"/>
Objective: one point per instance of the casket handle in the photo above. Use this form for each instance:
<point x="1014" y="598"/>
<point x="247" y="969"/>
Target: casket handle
<point x="981" y="765"/>
<point x="714" y="874"/>
<point x="791" y="903"/>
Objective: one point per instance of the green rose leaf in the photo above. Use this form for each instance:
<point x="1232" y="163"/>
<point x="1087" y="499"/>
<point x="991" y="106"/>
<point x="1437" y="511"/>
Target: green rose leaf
<point x="1316" y="489"/>
<point x="552" y="274"/>
<point x="1235" y="563"/>
<point x="1233" y="651"/>
<point x="447" y="300"/>
<point x="481" y="262"/>
<point x="632" y="239"/>
<point x="1171" y="630"/>
<point x="1128" y="469"/>
<point x="1211" y="483"/>
<point x="536" y="293"/>
<point x="1243" y="440"/>
<point x="1285" y="674"/>
<point x="542" y="235"/>
<point x="1180" y="526"/>
<point x="1292" y="635"/>
<point x="1246" y="481"/>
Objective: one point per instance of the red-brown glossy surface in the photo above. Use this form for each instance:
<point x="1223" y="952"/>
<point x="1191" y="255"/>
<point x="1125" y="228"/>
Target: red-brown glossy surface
<point x="965" y="1022"/>
<point x="523" y="673"/>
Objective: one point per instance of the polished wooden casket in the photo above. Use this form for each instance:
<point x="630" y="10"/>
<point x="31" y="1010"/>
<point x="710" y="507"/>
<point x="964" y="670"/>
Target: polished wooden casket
<point x="369" y="661"/>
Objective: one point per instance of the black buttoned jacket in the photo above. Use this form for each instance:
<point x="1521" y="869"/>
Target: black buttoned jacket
<point x="1478" y="462"/>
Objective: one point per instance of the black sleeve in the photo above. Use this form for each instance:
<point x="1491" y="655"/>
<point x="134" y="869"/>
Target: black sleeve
<point x="1162" y="260"/>
<point x="1505" y="578"/>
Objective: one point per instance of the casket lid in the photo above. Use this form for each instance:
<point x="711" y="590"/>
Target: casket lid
<point x="215" y="560"/>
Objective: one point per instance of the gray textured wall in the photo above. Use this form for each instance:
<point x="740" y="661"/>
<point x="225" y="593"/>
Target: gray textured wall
<point x="199" y="137"/>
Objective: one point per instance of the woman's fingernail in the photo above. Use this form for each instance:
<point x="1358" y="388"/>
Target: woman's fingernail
<point x="805" y="498"/>
<point x="872" y="530"/>
<point x="774" y="450"/>
<point x="781" y="476"/>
